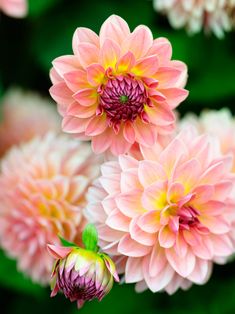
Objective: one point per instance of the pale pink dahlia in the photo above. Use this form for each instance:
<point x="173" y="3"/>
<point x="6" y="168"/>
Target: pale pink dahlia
<point x="43" y="188"/>
<point x="14" y="8"/>
<point x="210" y="15"/>
<point x="24" y="116"/>
<point x="166" y="218"/>
<point x="118" y="88"/>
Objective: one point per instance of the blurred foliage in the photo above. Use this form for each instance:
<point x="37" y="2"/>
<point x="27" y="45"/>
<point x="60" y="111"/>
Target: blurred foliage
<point x="27" y="48"/>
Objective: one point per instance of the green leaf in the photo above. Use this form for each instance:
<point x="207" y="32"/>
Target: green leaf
<point x="90" y="237"/>
<point x="66" y="243"/>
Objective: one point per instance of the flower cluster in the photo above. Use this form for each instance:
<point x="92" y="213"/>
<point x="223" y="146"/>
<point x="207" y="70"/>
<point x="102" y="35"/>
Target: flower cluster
<point x="213" y="16"/>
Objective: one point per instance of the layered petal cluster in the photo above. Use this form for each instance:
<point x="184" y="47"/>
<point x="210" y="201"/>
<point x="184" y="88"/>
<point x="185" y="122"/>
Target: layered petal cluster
<point x="14" y="8"/>
<point x="24" y="116"/>
<point x="217" y="123"/>
<point x="166" y="218"/>
<point x="119" y="88"/>
<point x="210" y="15"/>
<point x="43" y="187"/>
<point x="82" y="275"/>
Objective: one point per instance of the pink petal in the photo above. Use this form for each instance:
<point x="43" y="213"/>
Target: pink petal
<point x="162" y="48"/>
<point x="175" y="192"/>
<point x="181" y="247"/>
<point x="129" y="247"/>
<point x="160" y="114"/>
<point x="66" y="64"/>
<point x="76" y="80"/>
<point x="139" y="41"/>
<point x="212" y="208"/>
<point x="79" y="111"/>
<point x="145" y="133"/>
<point x="116" y="220"/>
<point x="183" y="266"/>
<point x="146" y="67"/>
<point x="111" y="183"/>
<point x="95" y="74"/>
<point x="125" y="63"/>
<point x="203" y="193"/>
<point x="110" y="167"/>
<point x="109" y="54"/>
<point x="86" y="97"/>
<point x="201" y="272"/>
<point x="119" y="144"/>
<point x="150" y="172"/>
<point x="174" y="96"/>
<point x="129" y="181"/>
<point x="129" y="203"/>
<point x="61" y="94"/>
<point x="126" y="162"/>
<point x="222" y="245"/>
<point x="139" y="235"/>
<point x="167" y="76"/>
<point x="216" y="224"/>
<point x="222" y="190"/>
<point x="74" y="125"/>
<point x="166" y="237"/>
<point x="86" y="35"/>
<point x="114" y="28"/>
<point x="101" y="142"/>
<point x="150" y="221"/>
<point x="154" y="196"/>
<point x="96" y="126"/>
<point x="133" y="271"/>
<point x="129" y="132"/>
<point x="58" y="252"/>
<point x="157" y="260"/>
<point x="88" y="53"/>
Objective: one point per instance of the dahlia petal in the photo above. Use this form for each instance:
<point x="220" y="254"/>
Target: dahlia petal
<point x="174" y="96"/>
<point x="166" y="237"/>
<point x="111" y="183"/>
<point x="55" y="77"/>
<point x="86" y="97"/>
<point x="126" y="162"/>
<point x="116" y="220"/>
<point x="212" y="208"/>
<point x="109" y="204"/>
<point x="175" y="192"/>
<point x="183" y="266"/>
<point x="215" y="172"/>
<point x="88" y="53"/>
<point x="145" y="133"/>
<point x="146" y="67"/>
<point x="129" y="181"/>
<point x="110" y="167"/>
<point x="86" y="35"/>
<point x="79" y="111"/>
<point x="76" y="80"/>
<point x="205" y="249"/>
<point x="154" y="196"/>
<point x="129" y="203"/>
<point x="126" y="62"/>
<point x="96" y="126"/>
<point x="222" y="245"/>
<point x="139" y="41"/>
<point x="203" y="193"/>
<point x="141" y="286"/>
<point x="216" y="224"/>
<point x="161" y="280"/>
<point x="139" y="235"/>
<point x="114" y="28"/>
<point x="133" y="271"/>
<point x="58" y="252"/>
<point x="95" y="74"/>
<point x="97" y="211"/>
<point x="200" y="272"/>
<point x="182" y="78"/>
<point x="162" y="48"/>
<point x="157" y="96"/>
<point x="66" y="64"/>
<point x="129" y="132"/>
<point x="157" y="260"/>
<point x="222" y="190"/>
<point x="130" y="247"/>
<point x="72" y="124"/>
<point x="111" y="267"/>
<point x="167" y="77"/>
<point x="108" y="234"/>
<point x="119" y="145"/>
<point x="181" y="247"/>
<point x="101" y="142"/>
<point x="61" y="94"/>
<point x="150" y="221"/>
<point x="150" y="172"/>
<point x="109" y="54"/>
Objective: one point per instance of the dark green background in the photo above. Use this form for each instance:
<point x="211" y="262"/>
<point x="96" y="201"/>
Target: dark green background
<point x="27" y="48"/>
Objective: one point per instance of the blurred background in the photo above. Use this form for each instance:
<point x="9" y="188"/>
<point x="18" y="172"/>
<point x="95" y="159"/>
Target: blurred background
<point x="27" y="48"/>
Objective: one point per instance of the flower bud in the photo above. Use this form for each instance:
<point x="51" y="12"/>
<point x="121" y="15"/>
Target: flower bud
<point x="81" y="274"/>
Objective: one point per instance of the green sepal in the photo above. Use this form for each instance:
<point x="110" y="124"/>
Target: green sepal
<point x="90" y="238"/>
<point x="66" y="243"/>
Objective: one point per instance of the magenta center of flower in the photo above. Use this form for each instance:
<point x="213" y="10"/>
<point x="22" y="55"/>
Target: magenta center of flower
<point x="122" y="99"/>
<point x="188" y="217"/>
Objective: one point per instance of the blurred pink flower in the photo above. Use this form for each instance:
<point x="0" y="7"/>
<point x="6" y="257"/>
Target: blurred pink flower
<point x="211" y="15"/>
<point x="14" y="8"/>
<point x="82" y="275"/>
<point x="168" y="217"/>
<point x="118" y="88"/>
<point x="43" y="187"/>
<point x="24" y="116"/>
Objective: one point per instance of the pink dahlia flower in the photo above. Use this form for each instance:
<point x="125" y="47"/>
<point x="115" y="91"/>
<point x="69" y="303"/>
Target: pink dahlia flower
<point x="219" y="124"/>
<point x="14" y="8"/>
<point x="211" y="15"/>
<point x="82" y="275"/>
<point x="166" y="218"/>
<point x="43" y="187"/>
<point x="118" y="88"/>
<point x="24" y="116"/>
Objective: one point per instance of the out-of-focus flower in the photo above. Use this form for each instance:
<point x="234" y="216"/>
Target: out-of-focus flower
<point x="168" y="217"/>
<point x="118" y="88"/>
<point x="213" y="16"/>
<point x="24" y="116"/>
<point x="14" y="8"/>
<point x="82" y="275"/>
<point x="218" y="123"/>
<point x="43" y="187"/>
